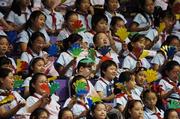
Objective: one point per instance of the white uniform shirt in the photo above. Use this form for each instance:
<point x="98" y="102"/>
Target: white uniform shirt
<point x="148" y="114"/>
<point x="63" y="34"/>
<point x="86" y="22"/>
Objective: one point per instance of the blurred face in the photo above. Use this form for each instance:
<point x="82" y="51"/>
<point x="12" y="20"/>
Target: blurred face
<point x="50" y="3"/>
<point x="67" y="115"/>
<point x="119" y="24"/>
<point x="39" y="67"/>
<point x="151" y="100"/>
<point x="175" y="43"/>
<point x="102" y="40"/>
<point x="174" y="73"/>
<point x="100" y="112"/>
<point x="139" y="44"/>
<point x="39" y="22"/>
<point x="101" y="26"/>
<point x="85" y="71"/>
<point x="113" y="5"/>
<point x="8" y="82"/>
<point x="25" y="3"/>
<point x="137" y="111"/>
<point x="173" y="115"/>
<point x="38" y="45"/>
<point x="140" y="78"/>
<point x="149" y="6"/>
<point x="71" y="21"/>
<point x="43" y="115"/>
<point x="4" y="44"/>
<point x="84" y="6"/>
<point x="41" y="80"/>
<point x="110" y="73"/>
<point x="131" y="83"/>
<point x="169" y="22"/>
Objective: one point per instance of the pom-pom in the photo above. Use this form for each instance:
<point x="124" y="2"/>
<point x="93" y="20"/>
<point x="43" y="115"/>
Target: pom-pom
<point x="122" y="34"/>
<point x="104" y="50"/>
<point x="151" y="75"/>
<point x="76" y="50"/>
<point x="161" y="27"/>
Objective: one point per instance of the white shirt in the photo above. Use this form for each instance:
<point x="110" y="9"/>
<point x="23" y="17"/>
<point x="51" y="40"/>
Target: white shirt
<point x="84" y="22"/>
<point x="97" y="2"/>
<point x="148" y="114"/>
<point x="49" y="21"/>
<point x="1" y="15"/>
<point x="63" y="34"/>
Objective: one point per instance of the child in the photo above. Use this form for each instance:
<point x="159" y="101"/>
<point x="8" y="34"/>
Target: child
<point x="111" y="7"/>
<point x="54" y="19"/>
<point x="128" y="92"/>
<point x="134" y="110"/>
<point x="151" y="111"/>
<point x="4" y="24"/>
<point x="78" y="103"/>
<point x="136" y="46"/>
<point x="35" y="23"/>
<point x="39" y="113"/>
<point x="40" y="98"/>
<point x="171" y="114"/>
<point x="66" y="113"/>
<point x="37" y="65"/>
<point x="104" y="85"/>
<point x="11" y="108"/>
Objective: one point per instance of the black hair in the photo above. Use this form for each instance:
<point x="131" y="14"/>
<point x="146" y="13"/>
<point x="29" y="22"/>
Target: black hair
<point x="76" y="78"/>
<point x="168" y="111"/>
<point x="35" y="77"/>
<point x="142" y="3"/>
<point x="68" y="14"/>
<point x="125" y="76"/>
<point x="115" y="19"/>
<point x="34" y="36"/>
<point x="70" y="40"/>
<point x="138" y="69"/>
<point x="34" y="15"/>
<point x="105" y="65"/>
<point x="83" y="64"/>
<point x="135" y="38"/>
<point x="168" y="67"/>
<point x="2" y="36"/>
<point x="169" y="39"/>
<point x="4" y="72"/>
<point x="4" y="60"/>
<point x="36" y="113"/>
<point x="96" y="18"/>
<point x="77" y="4"/>
<point x="62" y="111"/>
<point x="147" y="91"/>
<point x="130" y="104"/>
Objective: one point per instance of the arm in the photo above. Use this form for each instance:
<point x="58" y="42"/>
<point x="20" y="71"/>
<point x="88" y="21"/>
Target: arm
<point x="109" y="98"/>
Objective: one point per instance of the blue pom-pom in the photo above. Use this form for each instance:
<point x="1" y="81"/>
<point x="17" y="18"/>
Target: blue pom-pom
<point x="53" y="50"/>
<point x="104" y="50"/>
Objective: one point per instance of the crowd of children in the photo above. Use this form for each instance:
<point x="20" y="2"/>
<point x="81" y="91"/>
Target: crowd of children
<point x="118" y="63"/>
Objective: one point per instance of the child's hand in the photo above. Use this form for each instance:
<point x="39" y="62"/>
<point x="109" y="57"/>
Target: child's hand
<point x="21" y="104"/>
<point x="146" y="28"/>
<point x="45" y="100"/>
<point x="73" y="61"/>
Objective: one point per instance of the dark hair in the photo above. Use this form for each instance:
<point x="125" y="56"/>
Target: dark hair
<point x="115" y="19"/>
<point x="34" y="36"/>
<point x="70" y="40"/>
<point x="142" y="3"/>
<point x="33" y="62"/>
<point x="96" y="18"/>
<point x="62" y="111"/>
<point x="167" y="14"/>
<point x="68" y="14"/>
<point x="138" y="69"/>
<point x="36" y="113"/>
<point x="168" y="67"/>
<point x="167" y="112"/>
<point x="147" y="91"/>
<point x="135" y="38"/>
<point x="77" y="4"/>
<point x="106" y="4"/>
<point x="169" y="39"/>
<point x="33" y="81"/>
<point x="4" y="72"/>
<point x="4" y="60"/>
<point x="83" y="64"/>
<point x="129" y="106"/>
<point x="125" y="76"/>
<point x="34" y="15"/>
<point x="76" y="78"/>
<point x="105" y="65"/>
<point x="2" y="36"/>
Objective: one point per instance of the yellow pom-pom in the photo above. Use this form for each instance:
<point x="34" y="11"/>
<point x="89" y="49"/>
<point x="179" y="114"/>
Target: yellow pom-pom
<point x="144" y="54"/>
<point x="161" y="27"/>
<point x="52" y="78"/>
<point x="151" y="75"/>
<point x="122" y="34"/>
<point x="96" y="99"/>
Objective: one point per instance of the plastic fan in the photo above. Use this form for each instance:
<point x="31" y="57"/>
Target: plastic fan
<point x="151" y="75"/>
<point x="104" y="50"/>
<point x="52" y="78"/>
<point x="7" y="99"/>
<point x="21" y="65"/>
<point x="105" y="58"/>
<point x="92" y="53"/>
<point x="18" y="81"/>
<point x="77" y="25"/>
<point x="54" y="88"/>
<point x="81" y="88"/>
<point x="87" y="60"/>
<point x="96" y="99"/>
<point x="122" y="34"/>
<point x="144" y="54"/>
<point x="173" y="104"/>
<point x="161" y="27"/>
<point x="53" y="50"/>
<point x="76" y="50"/>
<point x="45" y="87"/>
<point x="169" y="51"/>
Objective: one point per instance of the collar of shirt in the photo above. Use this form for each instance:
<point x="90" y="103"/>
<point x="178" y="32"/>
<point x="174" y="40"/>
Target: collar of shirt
<point x="151" y="112"/>
<point x="106" y="81"/>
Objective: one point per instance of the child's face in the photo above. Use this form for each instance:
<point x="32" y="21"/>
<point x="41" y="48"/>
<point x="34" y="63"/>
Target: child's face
<point x="174" y="73"/>
<point x="25" y="3"/>
<point x="84" y="6"/>
<point x="85" y="71"/>
<point x="151" y="100"/>
<point x="39" y="67"/>
<point x="67" y="115"/>
<point x="100" y="112"/>
<point x="8" y="82"/>
<point x="43" y="115"/>
<point x="175" y="43"/>
<point x="41" y="80"/>
<point x="71" y="21"/>
<point x="4" y="44"/>
<point x="131" y="83"/>
<point x="113" y="5"/>
<point x="149" y="6"/>
<point x="119" y="24"/>
<point x="137" y="111"/>
<point x="139" y="44"/>
<point x="39" y="22"/>
<point x="169" y="22"/>
<point x="50" y="3"/>
<point x="101" y="26"/>
<point x="110" y="72"/>
<point x="38" y="44"/>
<point x="173" y="115"/>
<point x="102" y="40"/>
<point x="140" y="78"/>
